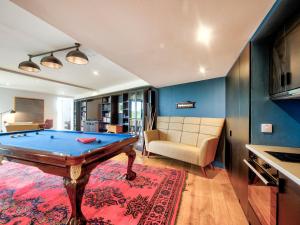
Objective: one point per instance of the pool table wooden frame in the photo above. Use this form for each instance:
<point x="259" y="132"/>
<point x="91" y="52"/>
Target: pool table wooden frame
<point x="75" y="170"/>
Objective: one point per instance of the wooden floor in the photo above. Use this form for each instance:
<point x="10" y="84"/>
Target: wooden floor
<point x="205" y="201"/>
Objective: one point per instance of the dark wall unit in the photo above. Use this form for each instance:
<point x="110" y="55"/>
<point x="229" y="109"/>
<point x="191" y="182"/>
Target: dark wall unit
<point x="288" y="203"/>
<point x="285" y="53"/>
<point x="125" y="114"/>
<point x="237" y="124"/>
<point x="83" y="110"/>
<point x="126" y="108"/>
<point x="108" y="111"/>
<point x="76" y="122"/>
<point x="283" y="114"/>
<point x="250" y="86"/>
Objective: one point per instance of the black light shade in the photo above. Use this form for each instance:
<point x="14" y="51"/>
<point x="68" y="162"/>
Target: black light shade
<point x="29" y="66"/>
<point x="51" y="62"/>
<point x="77" y="57"/>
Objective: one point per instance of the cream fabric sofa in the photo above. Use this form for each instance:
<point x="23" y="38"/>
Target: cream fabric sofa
<point x="190" y="139"/>
<point x="20" y="126"/>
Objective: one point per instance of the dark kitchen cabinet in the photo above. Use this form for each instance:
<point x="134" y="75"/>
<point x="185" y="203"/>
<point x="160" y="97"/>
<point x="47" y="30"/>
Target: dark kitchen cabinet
<point x="293" y="43"/>
<point x="288" y="202"/>
<point x="237" y="124"/>
<point x="285" y="54"/>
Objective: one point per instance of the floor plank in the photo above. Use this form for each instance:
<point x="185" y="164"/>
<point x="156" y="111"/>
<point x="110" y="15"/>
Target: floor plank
<point x="205" y="201"/>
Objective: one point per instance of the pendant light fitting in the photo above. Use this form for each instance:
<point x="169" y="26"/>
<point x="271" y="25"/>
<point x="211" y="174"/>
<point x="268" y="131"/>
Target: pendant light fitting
<point x="75" y="56"/>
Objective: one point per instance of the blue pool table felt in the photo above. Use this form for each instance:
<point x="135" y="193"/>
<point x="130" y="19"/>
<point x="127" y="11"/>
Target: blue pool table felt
<point x="62" y="143"/>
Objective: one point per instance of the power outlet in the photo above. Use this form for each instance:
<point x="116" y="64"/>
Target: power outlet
<point x="267" y="128"/>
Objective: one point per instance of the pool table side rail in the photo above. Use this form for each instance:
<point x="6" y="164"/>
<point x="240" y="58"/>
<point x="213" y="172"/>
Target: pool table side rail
<point x="20" y="132"/>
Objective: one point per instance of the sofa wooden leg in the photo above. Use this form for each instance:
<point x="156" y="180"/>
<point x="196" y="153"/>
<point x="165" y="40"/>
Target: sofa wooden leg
<point x="212" y="166"/>
<point x="203" y="171"/>
<point x="148" y="154"/>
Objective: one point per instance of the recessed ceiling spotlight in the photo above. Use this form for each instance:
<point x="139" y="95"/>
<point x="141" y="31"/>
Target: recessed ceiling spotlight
<point x="7" y="84"/>
<point x="202" y="70"/>
<point x="204" y="34"/>
<point x="96" y="73"/>
<point x="162" y="45"/>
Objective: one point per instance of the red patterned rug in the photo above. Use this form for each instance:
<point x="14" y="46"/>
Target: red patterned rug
<point x="29" y="196"/>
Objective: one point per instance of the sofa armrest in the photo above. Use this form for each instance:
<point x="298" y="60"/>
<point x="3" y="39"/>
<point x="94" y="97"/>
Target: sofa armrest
<point x="150" y="135"/>
<point x="208" y="150"/>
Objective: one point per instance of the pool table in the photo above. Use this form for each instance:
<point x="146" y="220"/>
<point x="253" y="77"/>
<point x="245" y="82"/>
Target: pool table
<point x="59" y="153"/>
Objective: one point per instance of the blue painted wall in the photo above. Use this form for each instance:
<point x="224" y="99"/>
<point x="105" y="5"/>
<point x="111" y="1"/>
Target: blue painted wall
<point x="209" y="96"/>
<point x="284" y="114"/>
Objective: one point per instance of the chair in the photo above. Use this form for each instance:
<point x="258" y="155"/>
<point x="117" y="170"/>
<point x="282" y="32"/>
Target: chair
<point x="48" y="124"/>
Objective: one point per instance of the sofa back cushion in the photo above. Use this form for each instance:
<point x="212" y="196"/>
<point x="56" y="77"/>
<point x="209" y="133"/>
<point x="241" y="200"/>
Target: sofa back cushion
<point x="189" y="138"/>
<point x="188" y="130"/>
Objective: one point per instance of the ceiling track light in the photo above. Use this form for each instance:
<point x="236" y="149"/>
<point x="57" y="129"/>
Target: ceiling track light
<point x="74" y="56"/>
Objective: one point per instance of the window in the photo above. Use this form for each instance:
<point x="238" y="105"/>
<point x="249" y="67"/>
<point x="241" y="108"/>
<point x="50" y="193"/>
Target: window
<point x="65" y="113"/>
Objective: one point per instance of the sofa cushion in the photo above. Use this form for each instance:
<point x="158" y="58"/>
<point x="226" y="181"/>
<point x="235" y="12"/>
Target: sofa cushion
<point x="165" y="119"/>
<point x="174" y="136"/>
<point x="162" y="125"/>
<point x="212" y="121"/>
<point x="191" y="128"/>
<point x="176" y="119"/>
<point x="189" y="138"/>
<point x="192" y="120"/>
<point x="175" y="126"/>
<point x="178" y="151"/>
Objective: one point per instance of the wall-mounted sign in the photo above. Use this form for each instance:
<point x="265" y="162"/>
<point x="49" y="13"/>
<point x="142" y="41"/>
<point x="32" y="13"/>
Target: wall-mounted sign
<point x="185" y="105"/>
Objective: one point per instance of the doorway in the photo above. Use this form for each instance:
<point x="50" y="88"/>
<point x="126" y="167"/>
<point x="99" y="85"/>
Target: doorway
<point x="65" y="109"/>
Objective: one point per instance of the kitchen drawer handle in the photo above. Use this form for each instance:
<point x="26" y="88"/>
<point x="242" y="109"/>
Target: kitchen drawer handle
<point x="257" y="173"/>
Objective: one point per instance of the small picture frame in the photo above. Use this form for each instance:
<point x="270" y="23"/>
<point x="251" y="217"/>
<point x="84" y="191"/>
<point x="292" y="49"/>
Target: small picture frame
<point x="185" y="105"/>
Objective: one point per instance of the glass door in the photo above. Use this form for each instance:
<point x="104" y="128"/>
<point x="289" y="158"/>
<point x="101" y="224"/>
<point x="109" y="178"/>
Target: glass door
<point x="140" y="112"/>
<point x="132" y="112"/>
<point x="136" y="116"/>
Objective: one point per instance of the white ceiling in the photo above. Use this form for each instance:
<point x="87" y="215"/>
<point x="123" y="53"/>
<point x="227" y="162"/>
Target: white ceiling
<point x="22" y="33"/>
<point x="15" y="81"/>
<point x="154" y="39"/>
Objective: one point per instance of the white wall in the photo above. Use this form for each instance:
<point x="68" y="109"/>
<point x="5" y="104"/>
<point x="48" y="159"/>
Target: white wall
<point x="7" y="102"/>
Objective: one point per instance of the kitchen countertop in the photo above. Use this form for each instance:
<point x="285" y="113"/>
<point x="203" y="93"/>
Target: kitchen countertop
<point x="291" y="170"/>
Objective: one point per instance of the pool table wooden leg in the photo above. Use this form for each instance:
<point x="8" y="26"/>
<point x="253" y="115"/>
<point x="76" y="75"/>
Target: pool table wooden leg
<point x="75" y="192"/>
<point x="131" y="175"/>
